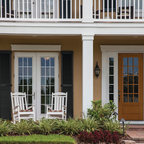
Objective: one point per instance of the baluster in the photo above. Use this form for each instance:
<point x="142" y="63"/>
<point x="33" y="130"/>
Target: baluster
<point x="57" y="8"/>
<point x="23" y="8"/>
<point x="125" y="10"/>
<point x="129" y="9"/>
<point x="45" y="8"/>
<point x="75" y="9"/>
<point x="5" y="8"/>
<point x="62" y="9"/>
<point x="1" y="8"/>
<point x="40" y="9"/>
<point x="121" y="10"/>
<point x="10" y="9"/>
<point x="31" y="8"/>
<point x="66" y="9"/>
<point x="94" y="9"/>
<point x="36" y="7"/>
<point x="108" y="9"/>
<point x="71" y="9"/>
<point x="99" y="9"/>
<point x="116" y="9"/>
<point x="138" y="8"/>
<point x="142" y="9"/>
<point x="103" y="9"/>
<point x="134" y="8"/>
<point x="53" y="9"/>
<point x="112" y="9"/>
<point x="49" y="10"/>
<point x="79" y="9"/>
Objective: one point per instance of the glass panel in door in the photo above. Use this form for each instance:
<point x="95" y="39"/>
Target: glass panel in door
<point x="25" y="81"/>
<point x="130" y="79"/>
<point x="47" y="81"/>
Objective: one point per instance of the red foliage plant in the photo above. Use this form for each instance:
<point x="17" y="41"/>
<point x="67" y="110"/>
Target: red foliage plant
<point x="99" y="136"/>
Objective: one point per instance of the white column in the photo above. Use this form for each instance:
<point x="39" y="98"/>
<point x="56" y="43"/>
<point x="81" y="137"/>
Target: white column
<point x="87" y="72"/>
<point x="87" y="11"/>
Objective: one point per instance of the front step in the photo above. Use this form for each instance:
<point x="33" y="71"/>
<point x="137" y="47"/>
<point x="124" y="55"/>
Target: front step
<point x="136" y="132"/>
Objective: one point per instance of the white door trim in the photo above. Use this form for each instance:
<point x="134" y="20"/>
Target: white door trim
<point x="36" y="69"/>
<point x="112" y="51"/>
<point x="52" y="48"/>
<point x="39" y="55"/>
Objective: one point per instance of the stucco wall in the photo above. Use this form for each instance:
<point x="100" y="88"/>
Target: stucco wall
<point x="67" y="44"/>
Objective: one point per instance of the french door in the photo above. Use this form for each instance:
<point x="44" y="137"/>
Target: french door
<point x="131" y="86"/>
<point x="36" y="74"/>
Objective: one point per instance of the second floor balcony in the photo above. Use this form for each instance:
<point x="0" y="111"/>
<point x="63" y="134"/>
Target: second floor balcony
<point x="72" y="10"/>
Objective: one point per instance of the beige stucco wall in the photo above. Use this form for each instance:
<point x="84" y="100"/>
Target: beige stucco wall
<point x="74" y="44"/>
<point x="67" y="44"/>
<point x="110" y="40"/>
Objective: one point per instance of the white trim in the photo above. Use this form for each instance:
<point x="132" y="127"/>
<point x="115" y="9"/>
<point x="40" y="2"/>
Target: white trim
<point x="133" y="122"/>
<point x="112" y="51"/>
<point x="36" y="69"/>
<point x="36" y="47"/>
<point x="123" y="48"/>
<point x="28" y="28"/>
<point x="105" y="77"/>
<point x="87" y="73"/>
<point x="39" y="55"/>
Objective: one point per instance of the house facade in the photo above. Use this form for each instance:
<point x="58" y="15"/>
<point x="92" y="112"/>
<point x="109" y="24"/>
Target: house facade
<point x="55" y="45"/>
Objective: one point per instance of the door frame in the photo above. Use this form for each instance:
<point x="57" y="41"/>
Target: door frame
<point x="36" y="74"/>
<point x="112" y="51"/>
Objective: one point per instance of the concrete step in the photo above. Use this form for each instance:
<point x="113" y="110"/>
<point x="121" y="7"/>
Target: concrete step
<point x="136" y="132"/>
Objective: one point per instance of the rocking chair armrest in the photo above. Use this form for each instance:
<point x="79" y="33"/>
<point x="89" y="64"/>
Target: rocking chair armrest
<point x="31" y="107"/>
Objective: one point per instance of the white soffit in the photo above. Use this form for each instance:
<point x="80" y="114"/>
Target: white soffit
<point x="52" y="48"/>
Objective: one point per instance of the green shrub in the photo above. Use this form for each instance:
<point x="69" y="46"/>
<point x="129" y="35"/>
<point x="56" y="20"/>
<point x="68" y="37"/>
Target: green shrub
<point x="113" y="126"/>
<point x="102" y="113"/>
<point x="24" y="127"/>
<point x="5" y="127"/>
<point x="44" y="126"/>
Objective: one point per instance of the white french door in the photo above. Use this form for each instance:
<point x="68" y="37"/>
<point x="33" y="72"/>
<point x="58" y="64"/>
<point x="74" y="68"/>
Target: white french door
<point x="36" y="74"/>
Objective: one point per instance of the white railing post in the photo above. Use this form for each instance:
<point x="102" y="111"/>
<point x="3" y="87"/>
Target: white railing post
<point x="87" y="72"/>
<point x="87" y="10"/>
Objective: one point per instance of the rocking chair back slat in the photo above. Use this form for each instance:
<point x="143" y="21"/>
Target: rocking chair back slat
<point x="58" y="106"/>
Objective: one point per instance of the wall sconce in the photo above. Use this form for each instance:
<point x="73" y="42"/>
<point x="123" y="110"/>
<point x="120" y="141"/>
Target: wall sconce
<point x="97" y="70"/>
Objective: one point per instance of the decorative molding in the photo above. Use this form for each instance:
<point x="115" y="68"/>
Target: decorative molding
<point x="123" y="48"/>
<point x="52" y="48"/>
<point x="87" y="37"/>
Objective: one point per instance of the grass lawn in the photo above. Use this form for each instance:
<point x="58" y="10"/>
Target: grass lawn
<point x="38" y="139"/>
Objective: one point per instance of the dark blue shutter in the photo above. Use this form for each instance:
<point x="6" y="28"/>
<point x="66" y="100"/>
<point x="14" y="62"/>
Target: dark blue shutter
<point x="67" y="79"/>
<point x="5" y="85"/>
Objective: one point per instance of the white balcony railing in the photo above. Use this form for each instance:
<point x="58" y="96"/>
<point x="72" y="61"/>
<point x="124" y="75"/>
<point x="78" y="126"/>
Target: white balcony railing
<point x="118" y="10"/>
<point x="72" y="10"/>
<point x="41" y="10"/>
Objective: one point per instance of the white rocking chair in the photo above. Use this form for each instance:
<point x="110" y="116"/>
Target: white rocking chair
<point x="58" y="107"/>
<point x="20" y="109"/>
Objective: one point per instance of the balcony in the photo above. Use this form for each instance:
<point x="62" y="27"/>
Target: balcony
<point x="40" y="10"/>
<point x="72" y="10"/>
<point x="118" y="10"/>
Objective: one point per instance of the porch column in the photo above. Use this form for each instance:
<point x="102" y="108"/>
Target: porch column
<point x="87" y="72"/>
<point x="87" y="11"/>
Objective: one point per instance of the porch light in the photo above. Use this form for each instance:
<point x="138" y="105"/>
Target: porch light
<point x="97" y="70"/>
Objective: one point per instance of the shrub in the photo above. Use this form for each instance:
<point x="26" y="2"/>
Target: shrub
<point x="24" y="127"/>
<point x="5" y="127"/>
<point x="102" y="114"/>
<point x="99" y="136"/>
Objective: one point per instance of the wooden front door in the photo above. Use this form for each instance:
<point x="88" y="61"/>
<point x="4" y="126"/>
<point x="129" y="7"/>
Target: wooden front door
<point x="130" y="86"/>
